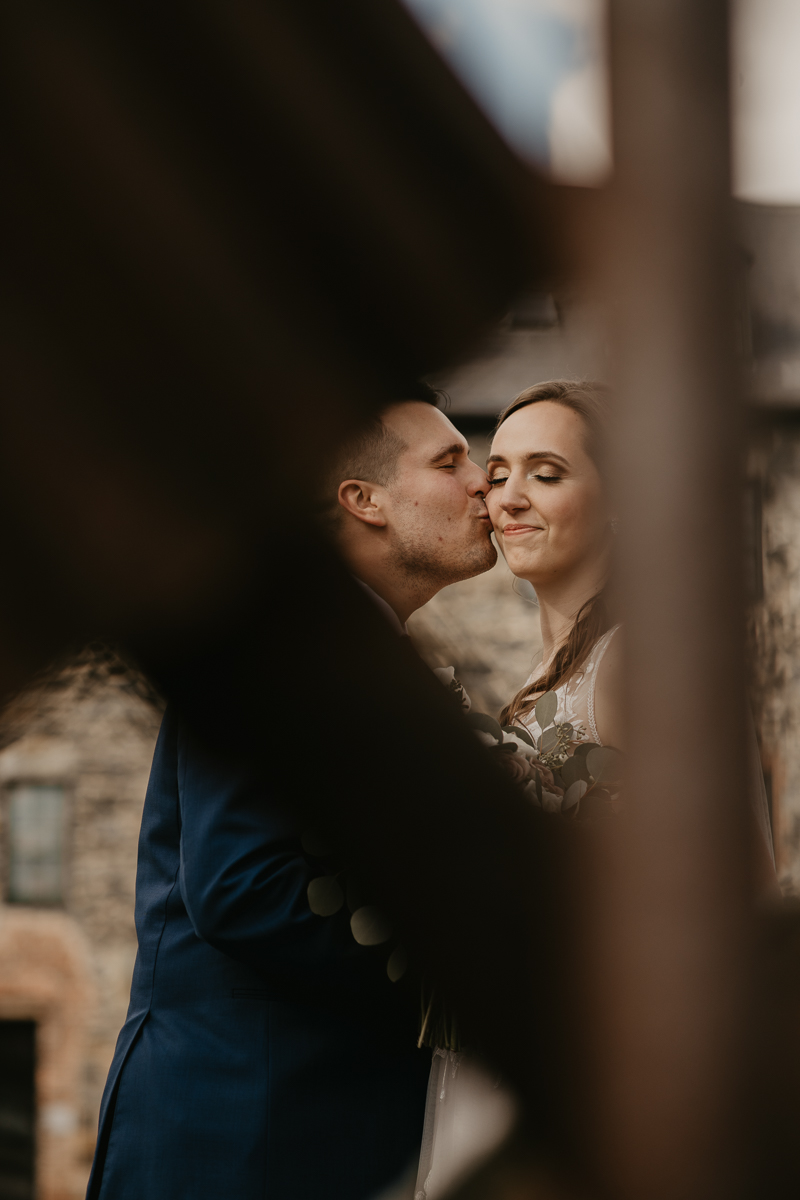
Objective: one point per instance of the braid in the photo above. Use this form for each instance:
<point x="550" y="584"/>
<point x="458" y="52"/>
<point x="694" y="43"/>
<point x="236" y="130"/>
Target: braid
<point x="591" y="623"/>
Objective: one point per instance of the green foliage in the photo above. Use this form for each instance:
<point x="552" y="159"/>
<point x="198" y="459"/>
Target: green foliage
<point x="485" y="724"/>
<point x="545" y="709"/>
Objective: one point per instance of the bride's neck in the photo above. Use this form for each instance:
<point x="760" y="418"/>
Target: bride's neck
<point x="558" y="608"/>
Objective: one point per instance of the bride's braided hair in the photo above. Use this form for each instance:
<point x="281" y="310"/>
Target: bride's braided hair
<point x="590" y="401"/>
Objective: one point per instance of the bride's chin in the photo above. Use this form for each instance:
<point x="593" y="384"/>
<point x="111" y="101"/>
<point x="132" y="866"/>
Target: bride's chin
<point x="520" y="564"/>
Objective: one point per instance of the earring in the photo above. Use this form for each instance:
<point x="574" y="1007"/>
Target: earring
<point x="614" y="523"/>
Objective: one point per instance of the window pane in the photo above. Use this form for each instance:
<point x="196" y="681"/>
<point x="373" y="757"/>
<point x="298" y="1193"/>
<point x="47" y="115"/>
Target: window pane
<point x="36" y="836"/>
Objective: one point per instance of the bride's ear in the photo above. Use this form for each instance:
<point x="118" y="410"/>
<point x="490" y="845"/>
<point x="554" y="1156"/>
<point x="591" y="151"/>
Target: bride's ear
<point x="362" y="501"/>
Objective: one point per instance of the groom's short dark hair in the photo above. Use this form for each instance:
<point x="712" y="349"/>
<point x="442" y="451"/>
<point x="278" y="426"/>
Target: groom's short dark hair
<point x="372" y="454"/>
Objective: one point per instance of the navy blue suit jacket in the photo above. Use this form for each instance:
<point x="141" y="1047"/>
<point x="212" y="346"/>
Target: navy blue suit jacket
<point x="265" y="1053"/>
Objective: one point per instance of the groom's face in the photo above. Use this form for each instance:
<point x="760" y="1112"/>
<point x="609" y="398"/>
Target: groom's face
<point x="435" y="509"/>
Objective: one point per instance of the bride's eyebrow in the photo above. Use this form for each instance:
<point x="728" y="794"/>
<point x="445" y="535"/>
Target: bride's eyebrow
<point x="535" y="454"/>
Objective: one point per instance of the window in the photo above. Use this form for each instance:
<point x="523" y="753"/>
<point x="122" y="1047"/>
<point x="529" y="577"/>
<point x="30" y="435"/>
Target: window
<point x="35" y="844"/>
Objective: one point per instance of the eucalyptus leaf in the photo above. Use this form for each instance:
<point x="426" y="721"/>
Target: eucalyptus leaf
<point x="397" y="964"/>
<point x="583" y="748"/>
<point x="565" y="729"/>
<point x="537" y="779"/>
<point x="521" y="732"/>
<point x="604" y="763"/>
<point x="575" y="792"/>
<point x="545" y="709"/>
<point x="549" y="740"/>
<point x="370" y="927"/>
<point x="582" y="768"/>
<point x="486" y="724"/>
<point x="572" y="770"/>
<point x="325" y="897"/>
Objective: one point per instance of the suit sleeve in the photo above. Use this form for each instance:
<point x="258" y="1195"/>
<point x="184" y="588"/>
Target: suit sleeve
<point x="244" y="882"/>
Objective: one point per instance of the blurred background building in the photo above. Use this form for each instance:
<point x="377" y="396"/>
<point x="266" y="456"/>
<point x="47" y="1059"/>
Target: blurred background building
<point x="490" y="632"/>
<point x="75" y="754"/>
<point x="75" y="750"/>
<point x="538" y="68"/>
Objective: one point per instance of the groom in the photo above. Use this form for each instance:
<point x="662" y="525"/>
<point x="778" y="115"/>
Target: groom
<point x="406" y="505"/>
<point x="266" y="1054"/>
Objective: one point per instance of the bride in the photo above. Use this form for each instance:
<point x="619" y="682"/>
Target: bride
<point x="554" y="524"/>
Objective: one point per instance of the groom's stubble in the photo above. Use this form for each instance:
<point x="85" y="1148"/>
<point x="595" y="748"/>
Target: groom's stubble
<point x="429" y="551"/>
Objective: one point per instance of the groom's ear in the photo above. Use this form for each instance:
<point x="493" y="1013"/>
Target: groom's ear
<point x="363" y="501"/>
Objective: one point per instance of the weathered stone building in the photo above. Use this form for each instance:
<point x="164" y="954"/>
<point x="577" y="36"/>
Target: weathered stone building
<point x="770" y="237"/>
<point x="75" y="752"/>
<point x="490" y="637"/>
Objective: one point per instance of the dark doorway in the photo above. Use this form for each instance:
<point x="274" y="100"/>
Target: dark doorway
<point x="17" y="1109"/>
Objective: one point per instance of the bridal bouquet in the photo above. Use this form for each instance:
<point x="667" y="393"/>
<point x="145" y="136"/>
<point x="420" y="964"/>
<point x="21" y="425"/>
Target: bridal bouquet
<point x="559" y="772"/>
<point x="555" y="773"/>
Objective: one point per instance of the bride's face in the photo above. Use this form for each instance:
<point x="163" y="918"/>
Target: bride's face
<point x="546" y="498"/>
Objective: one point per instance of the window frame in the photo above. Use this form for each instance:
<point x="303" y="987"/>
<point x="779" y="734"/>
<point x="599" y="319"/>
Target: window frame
<point x="7" y="789"/>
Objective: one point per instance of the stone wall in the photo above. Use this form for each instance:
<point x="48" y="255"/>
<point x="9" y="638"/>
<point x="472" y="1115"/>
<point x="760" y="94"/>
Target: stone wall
<point x="90" y="729"/>
<point x="775" y="472"/>
<point x="486" y="630"/>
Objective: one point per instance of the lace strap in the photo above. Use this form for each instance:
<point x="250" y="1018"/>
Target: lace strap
<point x="602" y="646"/>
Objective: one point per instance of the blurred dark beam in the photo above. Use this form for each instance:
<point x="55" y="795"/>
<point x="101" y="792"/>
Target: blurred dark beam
<point x="666" y="994"/>
<point x="236" y="227"/>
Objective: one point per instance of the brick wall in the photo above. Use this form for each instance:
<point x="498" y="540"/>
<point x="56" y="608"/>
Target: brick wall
<point x="91" y="730"/>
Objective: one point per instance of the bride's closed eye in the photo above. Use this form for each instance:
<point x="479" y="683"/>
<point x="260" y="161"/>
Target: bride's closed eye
<point x="496" y="480"/>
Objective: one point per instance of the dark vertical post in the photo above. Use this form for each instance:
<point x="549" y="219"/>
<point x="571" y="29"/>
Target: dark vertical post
<point x="667" y="973"/>
<point x="17" y="1109"/>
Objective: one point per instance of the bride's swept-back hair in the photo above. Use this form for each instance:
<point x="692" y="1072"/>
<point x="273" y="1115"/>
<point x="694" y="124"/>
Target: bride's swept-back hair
<point x="591" y="402"/>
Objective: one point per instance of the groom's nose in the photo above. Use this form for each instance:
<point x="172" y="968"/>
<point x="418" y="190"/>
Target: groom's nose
<point x="478" y="484"/>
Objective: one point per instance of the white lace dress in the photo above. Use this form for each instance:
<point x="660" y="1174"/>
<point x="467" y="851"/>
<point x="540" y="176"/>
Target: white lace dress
<point x="576" y="697"/>
<point x="468" y="1112"/>
<point x="576" y="705"/>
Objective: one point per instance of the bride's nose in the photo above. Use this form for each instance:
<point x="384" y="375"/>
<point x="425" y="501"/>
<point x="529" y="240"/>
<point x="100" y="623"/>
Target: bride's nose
<point x="511" y="498"/>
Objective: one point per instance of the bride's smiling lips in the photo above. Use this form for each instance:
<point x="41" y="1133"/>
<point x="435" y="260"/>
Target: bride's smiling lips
<point x="514" y="530"/>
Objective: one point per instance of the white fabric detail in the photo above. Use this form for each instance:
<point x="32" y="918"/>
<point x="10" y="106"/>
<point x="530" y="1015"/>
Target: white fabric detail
<point x="467" y="1116"/>
<point x="576" y="696"/>
<point x="594" y="666"/>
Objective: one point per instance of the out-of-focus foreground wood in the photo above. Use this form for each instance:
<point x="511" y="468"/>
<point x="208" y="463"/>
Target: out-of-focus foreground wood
<point x="233" y="228"/>
<point x="237" y="227"/>
<point x="240" y="226"/>
<point x="665" y="996"/>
